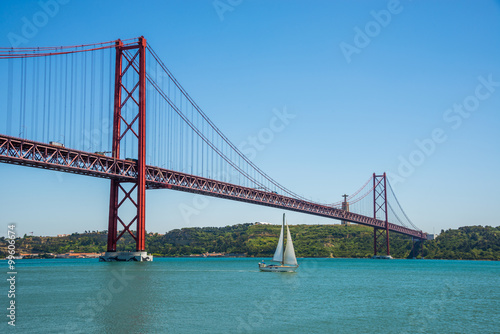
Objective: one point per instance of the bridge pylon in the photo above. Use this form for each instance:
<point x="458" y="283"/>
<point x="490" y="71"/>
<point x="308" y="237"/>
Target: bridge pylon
<point x="417" y="248"/>
<point x="381" y="247"/>
<point x="133" y="56"/>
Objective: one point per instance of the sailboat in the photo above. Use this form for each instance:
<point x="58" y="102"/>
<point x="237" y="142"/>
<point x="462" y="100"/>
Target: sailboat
<point x="283" y="254"/>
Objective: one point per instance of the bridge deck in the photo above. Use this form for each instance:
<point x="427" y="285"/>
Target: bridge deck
<point x="33" y="154"/>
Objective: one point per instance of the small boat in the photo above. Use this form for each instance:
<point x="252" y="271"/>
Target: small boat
<point x="285" y="255"/>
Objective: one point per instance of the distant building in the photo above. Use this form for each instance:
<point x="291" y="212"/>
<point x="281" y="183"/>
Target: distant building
<point x="207" y="254"/>
<point x="62" y="235"/>
<point x="431" y="236"/>
<point x="262" y="223"/>
<point x="28" y="255"/>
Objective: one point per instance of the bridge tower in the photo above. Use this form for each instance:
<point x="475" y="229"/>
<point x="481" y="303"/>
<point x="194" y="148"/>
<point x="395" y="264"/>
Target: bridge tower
<point x="130" y="124"/>
<point x="380" y="235"/>
<point x="417" y="248"/>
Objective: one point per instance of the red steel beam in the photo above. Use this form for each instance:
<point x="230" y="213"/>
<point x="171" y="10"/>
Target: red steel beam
<point x="33" y="154"/>
<point x="386" y="216"/>
<point x="374" y="214"/>
<point x="141" y="161"/>
<point x="113" y="192"/>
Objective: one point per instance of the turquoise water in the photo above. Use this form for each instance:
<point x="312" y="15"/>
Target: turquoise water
<point x="226" y="295"/>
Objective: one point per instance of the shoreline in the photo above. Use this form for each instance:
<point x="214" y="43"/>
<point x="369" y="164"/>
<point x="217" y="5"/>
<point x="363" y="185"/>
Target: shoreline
<point x="249" y="257"/>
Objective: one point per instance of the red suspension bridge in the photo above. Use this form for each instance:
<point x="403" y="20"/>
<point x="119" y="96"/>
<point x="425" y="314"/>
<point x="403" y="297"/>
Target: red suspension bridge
<point x="82" y="109"/>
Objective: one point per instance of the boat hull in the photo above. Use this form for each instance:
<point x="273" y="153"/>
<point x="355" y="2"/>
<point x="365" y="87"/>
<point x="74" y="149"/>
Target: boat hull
<point x="278" y="269"/>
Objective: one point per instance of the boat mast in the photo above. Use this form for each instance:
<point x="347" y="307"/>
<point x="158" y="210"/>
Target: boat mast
<point x="283" y="242"/>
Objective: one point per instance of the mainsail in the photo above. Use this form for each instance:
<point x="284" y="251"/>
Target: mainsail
<point x="278" y="254"/>
<point x="289" y="251"/>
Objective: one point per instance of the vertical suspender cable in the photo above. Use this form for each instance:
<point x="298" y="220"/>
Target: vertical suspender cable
<point x="65" y="108"/>
<point x="44" y="125"/>
<point x="36" y="107"/>
<point x="192" y="145"/>
<point x="49" y="104"/>
<point x="25" y="107"/>
<point x="165" y="133"/>
<point x="111" y="101"/>
<point x="21" y="96"/>
<point x="101" y="104"/>
<point x="182" y="138"/>
<point x="55" y="102"/>
<point x="84" y="97"/>
<point x="90" y="129"/>
<point x="10" y="84"/>
<point x="153" y="115"/>
<point x="23" y="124"/>
<point x="32" y="124"/>
<point x="71" y="101"/>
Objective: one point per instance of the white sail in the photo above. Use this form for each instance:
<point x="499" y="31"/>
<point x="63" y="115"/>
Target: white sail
<point x="278" y="254"/>
<point x="289" y="251"/>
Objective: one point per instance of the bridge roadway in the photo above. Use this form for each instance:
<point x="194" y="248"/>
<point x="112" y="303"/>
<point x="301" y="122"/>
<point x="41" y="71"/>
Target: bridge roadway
<point x="34" y="154"/>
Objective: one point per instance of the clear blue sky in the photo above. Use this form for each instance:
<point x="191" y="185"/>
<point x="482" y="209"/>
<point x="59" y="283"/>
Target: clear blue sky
<point x="361" y="102"/>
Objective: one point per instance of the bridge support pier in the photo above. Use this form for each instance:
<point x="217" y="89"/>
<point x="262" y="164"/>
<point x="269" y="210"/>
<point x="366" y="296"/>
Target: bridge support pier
<point x="125" y="256"/>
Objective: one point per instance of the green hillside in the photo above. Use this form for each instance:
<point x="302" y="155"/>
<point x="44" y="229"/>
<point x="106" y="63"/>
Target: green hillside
<point x="471" y="242"/>
<point x="467" y="243"/>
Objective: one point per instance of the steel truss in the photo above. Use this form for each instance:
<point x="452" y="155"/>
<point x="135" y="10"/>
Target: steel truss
<point x="40" y="155"/>
<point x="380" y="234"/>
<point x="127" y="189"/>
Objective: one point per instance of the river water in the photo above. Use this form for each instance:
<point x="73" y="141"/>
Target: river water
<point x="230" y="295"/>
